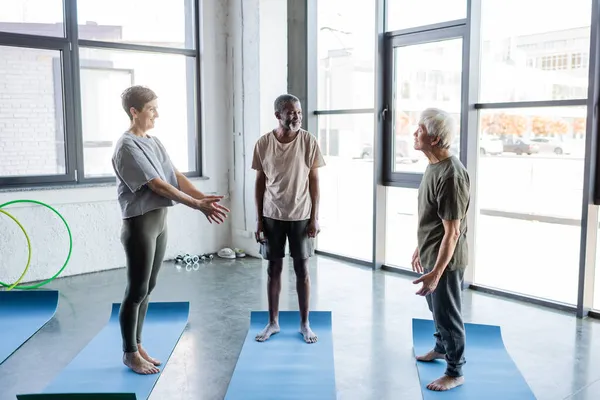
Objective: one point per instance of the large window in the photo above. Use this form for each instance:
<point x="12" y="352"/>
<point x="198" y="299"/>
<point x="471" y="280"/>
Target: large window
<point x="347" y="185"/>
<point x="404" y="14"/>
<point x="530" y="193"/>
<point x="424" y="70"/>
<point x="401" y="226"/>
<point x="345" y="54"/>
<point x="345" y="126"/>
<point x="528" y="55"/>
<point x="425" y="75"/>
<point x="33" y="17"/>
<point x="147" y="22"/>
<point x="530" y="201"/>
<point x="521" y="85"/>
<point x="104" y="119"/>
<point x="32" y="130"/>
<point x="60" y="107"/>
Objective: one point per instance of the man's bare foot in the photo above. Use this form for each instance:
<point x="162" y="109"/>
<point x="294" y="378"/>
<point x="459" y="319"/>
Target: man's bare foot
<point x="309" y="335"/>
<point x="271" y="329"/>
<point x="147" y="357"/>
<point x="138" y="364"/>
<point x="446" y="383"/>
<point x="430" y="356"/>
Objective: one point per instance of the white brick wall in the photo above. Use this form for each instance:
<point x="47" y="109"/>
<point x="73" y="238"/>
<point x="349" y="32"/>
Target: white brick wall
<point x="27" y="113"/>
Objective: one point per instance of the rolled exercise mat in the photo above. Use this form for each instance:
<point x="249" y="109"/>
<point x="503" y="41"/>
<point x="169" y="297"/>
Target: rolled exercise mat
<point x="489" y="372"/>
<point x="98" y="372"/>
<point x="22" y="314"/>
<point x="285" y="367"/>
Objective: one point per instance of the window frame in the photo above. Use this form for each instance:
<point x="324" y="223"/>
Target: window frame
<point x="438" y="32"/>
<point x="68" y="46"/>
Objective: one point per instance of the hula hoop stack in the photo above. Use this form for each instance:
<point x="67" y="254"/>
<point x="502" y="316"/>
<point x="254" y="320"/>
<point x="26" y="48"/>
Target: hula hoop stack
<point x="40" y="284"/>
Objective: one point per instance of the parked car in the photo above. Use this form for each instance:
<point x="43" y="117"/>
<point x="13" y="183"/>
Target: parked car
<point x="487" y="145"/>
<point x="519" y="146"/>
<point x="490" y="145"/>
<point x="549" y="145"/>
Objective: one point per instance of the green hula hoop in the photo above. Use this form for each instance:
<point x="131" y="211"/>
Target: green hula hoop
<point x="70" y="243"/>
<point x="28" y="249"/>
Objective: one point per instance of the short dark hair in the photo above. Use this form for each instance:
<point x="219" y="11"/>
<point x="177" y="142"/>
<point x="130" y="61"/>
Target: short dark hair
<point x="281" y="101"/>
<point x="136" y="97"/>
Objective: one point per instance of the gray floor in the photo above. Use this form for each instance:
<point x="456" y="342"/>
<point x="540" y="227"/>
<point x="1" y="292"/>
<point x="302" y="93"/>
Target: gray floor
<point x="558" y="354"/>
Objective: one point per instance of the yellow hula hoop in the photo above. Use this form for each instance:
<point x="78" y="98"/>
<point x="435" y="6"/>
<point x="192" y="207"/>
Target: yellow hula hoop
<point x="28" y="249"/>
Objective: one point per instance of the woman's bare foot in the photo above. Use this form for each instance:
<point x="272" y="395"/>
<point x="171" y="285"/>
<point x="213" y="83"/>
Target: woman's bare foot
<point x="271" y="329"/>
<point x="309" y="335"/>
<point x="446" y="383"/>
<point x="430" y="356"/>
<point x="147" y="357"/>
<point x="138" y="364"/>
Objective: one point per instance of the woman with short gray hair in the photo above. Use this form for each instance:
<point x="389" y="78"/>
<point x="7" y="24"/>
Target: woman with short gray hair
<point x="147" y="184"/>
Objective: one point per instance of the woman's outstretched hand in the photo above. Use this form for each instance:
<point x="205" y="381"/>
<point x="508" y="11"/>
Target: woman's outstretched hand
<point x="210" y="206"/>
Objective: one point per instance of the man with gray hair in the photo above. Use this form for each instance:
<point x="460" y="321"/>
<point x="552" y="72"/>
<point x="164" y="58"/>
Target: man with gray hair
<point x="286" y="161"/>
<point x="441" y="253"/>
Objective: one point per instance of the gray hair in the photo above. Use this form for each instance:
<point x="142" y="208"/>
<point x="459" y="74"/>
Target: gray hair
<point x="281" y="101"/>
<point x="440" y="124"/>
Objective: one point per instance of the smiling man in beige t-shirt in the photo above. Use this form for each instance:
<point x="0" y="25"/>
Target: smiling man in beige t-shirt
<point x="286" y="161"/>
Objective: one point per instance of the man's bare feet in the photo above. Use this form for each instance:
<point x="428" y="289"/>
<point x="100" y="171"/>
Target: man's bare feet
<point x="147" y="357"/>
<point x="138" y="364"/>
<point x="430" y="356"/>
<point x="270" y="329"/>
<point x="309" y="335"/>
<point x="446" y="383"/>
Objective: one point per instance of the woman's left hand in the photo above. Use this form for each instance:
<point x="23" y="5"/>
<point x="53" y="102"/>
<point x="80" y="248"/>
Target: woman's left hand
<point x="214" y="212"/>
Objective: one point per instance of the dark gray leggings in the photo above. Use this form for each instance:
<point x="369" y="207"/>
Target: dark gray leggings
<point x="145" y="239"/>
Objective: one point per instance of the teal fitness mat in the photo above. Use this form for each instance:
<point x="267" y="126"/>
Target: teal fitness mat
<point x="285" y="367"/>
<point x="22" y="314"/>
<point x="490" y="373"/>
<point x="98" y="372"/>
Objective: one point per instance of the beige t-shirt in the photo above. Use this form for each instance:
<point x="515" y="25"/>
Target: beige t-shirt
<point x="286" y="166"/>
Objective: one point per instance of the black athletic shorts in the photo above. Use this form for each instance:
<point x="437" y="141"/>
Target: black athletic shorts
<point x="276" y="232"/>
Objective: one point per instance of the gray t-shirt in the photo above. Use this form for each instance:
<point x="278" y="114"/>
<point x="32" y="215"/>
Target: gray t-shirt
<point x="444" y="194"/>
<point x="136" y="161"/>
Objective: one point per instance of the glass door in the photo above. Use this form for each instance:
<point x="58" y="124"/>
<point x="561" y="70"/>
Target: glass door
<point x="424" y="69"/>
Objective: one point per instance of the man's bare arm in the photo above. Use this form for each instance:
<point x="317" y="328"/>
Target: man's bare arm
<point x="447" y="246"/>
<point x="259" y="193"/>
<point x="313" y="186"/>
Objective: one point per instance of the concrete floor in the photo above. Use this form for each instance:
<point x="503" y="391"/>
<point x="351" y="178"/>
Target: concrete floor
<point x="558" y="354"/>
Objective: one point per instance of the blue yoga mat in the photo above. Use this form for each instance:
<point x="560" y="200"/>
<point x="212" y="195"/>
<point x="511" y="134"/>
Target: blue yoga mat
<point x="98" y="372"/>
<point x="285" y="367"/>
<point x="489" y="372"/>
<point x="22" y="314"/>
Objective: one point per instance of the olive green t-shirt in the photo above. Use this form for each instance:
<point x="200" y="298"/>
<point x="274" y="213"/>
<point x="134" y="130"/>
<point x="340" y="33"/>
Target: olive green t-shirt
<point x="444" y="194"/>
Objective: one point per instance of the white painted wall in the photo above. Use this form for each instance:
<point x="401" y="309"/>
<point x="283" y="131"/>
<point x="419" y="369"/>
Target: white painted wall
<point x="264" y="65"/>
<point x="93" y="213"/>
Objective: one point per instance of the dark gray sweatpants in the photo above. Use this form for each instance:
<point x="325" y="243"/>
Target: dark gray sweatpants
<point x="145" y="239"/>
<point x="445" y="305"/>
